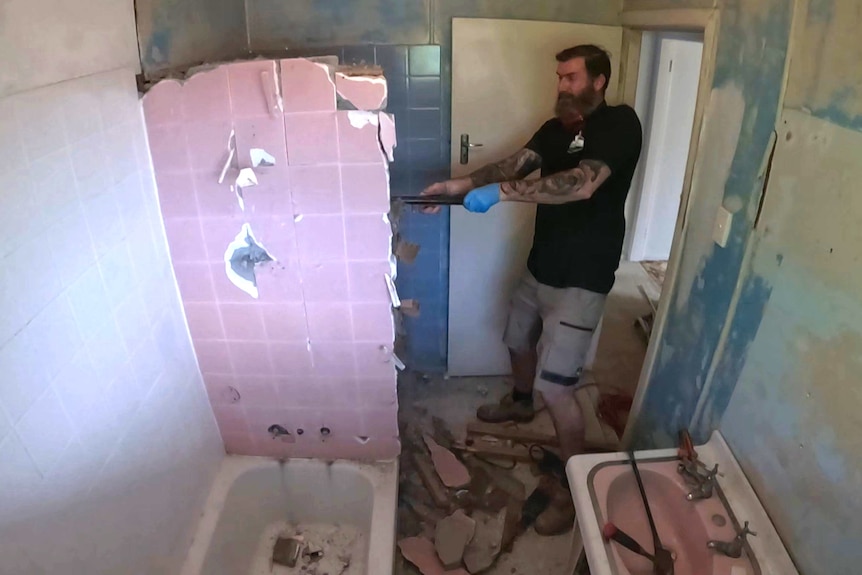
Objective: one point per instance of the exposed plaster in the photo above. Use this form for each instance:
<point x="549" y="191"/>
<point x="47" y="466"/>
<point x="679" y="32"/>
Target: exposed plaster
<point x="241" y="258"/>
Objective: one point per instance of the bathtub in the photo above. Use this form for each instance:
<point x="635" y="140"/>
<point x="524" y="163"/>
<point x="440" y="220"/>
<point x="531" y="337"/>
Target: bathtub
<point x="250" y="494"/>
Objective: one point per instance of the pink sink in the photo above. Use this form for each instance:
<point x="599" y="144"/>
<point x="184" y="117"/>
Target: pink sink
<point x="683" y="526"/>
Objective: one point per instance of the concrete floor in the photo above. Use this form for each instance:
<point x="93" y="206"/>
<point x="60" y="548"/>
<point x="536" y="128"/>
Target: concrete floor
<point x="622" y="348"/>
<point x="618" y="362"/>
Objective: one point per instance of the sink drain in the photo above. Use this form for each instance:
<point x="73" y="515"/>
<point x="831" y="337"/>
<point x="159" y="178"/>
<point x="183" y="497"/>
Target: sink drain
<point x="719" y="520"/>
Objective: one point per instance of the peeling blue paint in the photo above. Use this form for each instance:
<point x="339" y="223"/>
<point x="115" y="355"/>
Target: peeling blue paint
<point x="751" y="54"/>
<point x="836" y="112"/>
<point x="746" y="323"/>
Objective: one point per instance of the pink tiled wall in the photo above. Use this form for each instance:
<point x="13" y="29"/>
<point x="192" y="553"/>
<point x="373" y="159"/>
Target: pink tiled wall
<point x="312" y="352"/>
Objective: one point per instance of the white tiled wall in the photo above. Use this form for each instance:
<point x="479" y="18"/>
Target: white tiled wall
<point x="107" y="441"/>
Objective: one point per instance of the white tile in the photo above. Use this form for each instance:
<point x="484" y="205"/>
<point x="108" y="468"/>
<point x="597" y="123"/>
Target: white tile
<point x="91" y="163"/>
<point x="130" y="200"/>
<point x="98" y="431"/>
<point x="122" y="159"/>
<point x="53" y="186"/>
<point x="118" y="273"/>
<point x="103" y="219"/>
<point x="17" y="211"/>
<point x="5" y="424"/>
<point x="71" y="246"/>
<point x="79" y="388"/>
<point x="118" y="96"/>
<point x="11" y="147"/>
<point x="147" y="364"/>
<point x="40" y="122"/>
<point x="73" y="475"/>
<point x="23" y="375"/>
<point x="83" y="101"/>
<point x="108" y="353"/>
<point x="11" y="317"/>
<point x="45" y="431"/>
<point x="55" y="332"/>
<point x="89" y="302"/>
<point x="124" y="395"/>
<point x="133" y="321"/>
<point x="31" y="275"/>
<point x="18" y="475"/>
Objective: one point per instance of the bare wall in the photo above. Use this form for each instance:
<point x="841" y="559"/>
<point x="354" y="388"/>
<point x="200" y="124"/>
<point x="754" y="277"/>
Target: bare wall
<point x="46" y="41"/>
<point x="794" y="417"/>
<point x="180" y="33"/>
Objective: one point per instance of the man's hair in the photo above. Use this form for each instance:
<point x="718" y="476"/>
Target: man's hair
<point x="596" y="60"/>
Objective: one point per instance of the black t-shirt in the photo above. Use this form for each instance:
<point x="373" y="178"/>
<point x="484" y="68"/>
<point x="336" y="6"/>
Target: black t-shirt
<point x="579" y="244"/>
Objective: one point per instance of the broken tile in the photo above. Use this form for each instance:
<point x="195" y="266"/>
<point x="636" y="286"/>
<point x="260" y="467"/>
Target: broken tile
<point x="388" y="138"/>
<point x="452" y="472"/>
<point x="306" y="86"/>
<point x="369" y="236"/>
<point x="420" y="551"/>
<point x="265" y="133"/>
<point x="316" y="189"/>
<point x="358" y="139"/>
<point x="362" y="92"/>
<point x="206" y="96"/>
<point x="324" y="281"/>
<point x="486" y="544"/>
<point x="451" y="536"/>
<point x="365" y="189"/>
<point x="163" y="103"/>
<point x="253" y="91"/>
<point x="312" y="138"/>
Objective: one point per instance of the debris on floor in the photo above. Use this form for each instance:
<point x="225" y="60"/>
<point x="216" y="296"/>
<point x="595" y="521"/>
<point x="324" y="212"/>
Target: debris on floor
<point x="451" y="471"/>
<point x="311" y="549"/>
<point x="451" y="536"/>
<point x="421" y="553"/>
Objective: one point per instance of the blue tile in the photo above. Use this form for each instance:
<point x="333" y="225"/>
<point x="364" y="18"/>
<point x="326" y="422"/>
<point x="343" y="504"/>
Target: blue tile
<point x="393" y="60"/>
<point x="353" y="55"/>
<point x="399" y="181"/>
<point x="421" y="179"/>
<point x="423" y="92"/>
<point x="424" y="155"/>
<point x="425" y="123"/>
<point x="397" y="99"/>
<point x="424" y="60"/>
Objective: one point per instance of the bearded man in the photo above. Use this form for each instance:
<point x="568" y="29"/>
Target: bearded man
<point x="587" y="156"/>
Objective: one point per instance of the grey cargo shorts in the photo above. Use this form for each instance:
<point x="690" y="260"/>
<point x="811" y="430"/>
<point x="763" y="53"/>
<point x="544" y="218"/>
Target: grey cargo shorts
<point x="559" y="323"/>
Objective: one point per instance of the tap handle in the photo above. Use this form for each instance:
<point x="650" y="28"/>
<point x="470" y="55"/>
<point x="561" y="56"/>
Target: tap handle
<point x="746" y="531"/>
<point x="712" y="473"/>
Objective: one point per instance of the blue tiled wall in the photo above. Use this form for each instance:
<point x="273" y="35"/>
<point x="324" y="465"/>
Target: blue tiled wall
<point x="416" y="98"/>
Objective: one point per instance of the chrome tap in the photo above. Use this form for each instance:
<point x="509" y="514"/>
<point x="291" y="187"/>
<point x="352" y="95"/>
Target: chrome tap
<point x="732" y="548"/>
<point x="704" y="485"/>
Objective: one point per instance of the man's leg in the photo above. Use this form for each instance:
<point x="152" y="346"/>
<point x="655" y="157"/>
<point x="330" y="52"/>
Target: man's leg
<point x="572" y="316"/>
<point x="524" y="370"/>
<point x="522" y="334"/>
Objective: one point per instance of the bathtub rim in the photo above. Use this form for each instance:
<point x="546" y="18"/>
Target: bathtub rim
<point x="383" y="476"/>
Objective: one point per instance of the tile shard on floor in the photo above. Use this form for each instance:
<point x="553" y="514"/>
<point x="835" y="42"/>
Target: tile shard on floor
<point x="452" y="472"/>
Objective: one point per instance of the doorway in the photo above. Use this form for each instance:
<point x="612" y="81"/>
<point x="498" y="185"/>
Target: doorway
<point x="667" y="88"/>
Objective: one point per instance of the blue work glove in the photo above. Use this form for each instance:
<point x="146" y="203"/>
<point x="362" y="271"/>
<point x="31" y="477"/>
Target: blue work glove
<point x="482" y="199"/>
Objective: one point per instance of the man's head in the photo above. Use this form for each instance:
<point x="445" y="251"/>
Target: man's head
<point x="584" y="72"/>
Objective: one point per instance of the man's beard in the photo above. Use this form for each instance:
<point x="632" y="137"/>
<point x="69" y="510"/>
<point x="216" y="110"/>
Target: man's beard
<point x="571" y="109"/>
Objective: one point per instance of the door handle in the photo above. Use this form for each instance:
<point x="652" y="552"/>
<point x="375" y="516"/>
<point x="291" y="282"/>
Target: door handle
<point x="465" y="148"/>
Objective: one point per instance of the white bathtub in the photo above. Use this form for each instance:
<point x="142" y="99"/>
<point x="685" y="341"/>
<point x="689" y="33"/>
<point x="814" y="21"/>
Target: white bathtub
<point x="252" y="493"/>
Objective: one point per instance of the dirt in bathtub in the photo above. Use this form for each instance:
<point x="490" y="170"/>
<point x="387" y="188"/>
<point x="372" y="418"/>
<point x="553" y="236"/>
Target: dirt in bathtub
<point x="327" y="549"/>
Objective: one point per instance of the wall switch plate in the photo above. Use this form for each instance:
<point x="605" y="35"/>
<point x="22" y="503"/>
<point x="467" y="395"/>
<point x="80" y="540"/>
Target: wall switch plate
<point x="721" y="231"/>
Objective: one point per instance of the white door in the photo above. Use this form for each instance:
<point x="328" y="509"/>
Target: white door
<point x="504" y="87"/>
<point x="674" y="95"/>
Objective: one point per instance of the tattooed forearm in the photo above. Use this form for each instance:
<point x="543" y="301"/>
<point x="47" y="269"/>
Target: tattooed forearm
<point x="570" y="186"/>
<point x="515" y="167"/>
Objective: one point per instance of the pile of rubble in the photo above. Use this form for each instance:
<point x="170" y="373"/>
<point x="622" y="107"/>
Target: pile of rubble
<point x="460" y="508"/>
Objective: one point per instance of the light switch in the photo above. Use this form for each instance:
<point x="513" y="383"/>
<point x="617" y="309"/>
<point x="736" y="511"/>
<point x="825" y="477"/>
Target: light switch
<point x="721" y="231"/>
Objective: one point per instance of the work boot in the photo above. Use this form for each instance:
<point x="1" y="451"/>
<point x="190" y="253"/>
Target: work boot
<point x="559" y="517"/>
<point x="507" y="410"/>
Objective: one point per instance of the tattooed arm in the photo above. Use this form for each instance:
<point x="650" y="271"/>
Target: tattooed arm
<point x="515" y="167"/>
<point x="572" y="185"/>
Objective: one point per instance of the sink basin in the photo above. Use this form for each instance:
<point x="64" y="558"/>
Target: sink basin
<point x="683" y="526"/>
<point x="604" y="490"/>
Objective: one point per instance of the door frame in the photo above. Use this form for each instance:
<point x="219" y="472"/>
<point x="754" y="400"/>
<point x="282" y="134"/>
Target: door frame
<point x="634" y="23"/>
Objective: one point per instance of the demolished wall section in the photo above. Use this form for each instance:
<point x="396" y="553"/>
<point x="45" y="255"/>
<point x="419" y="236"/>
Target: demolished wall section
<point x="274" y="190"/>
